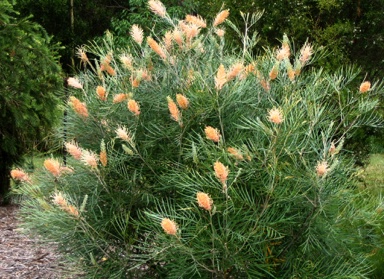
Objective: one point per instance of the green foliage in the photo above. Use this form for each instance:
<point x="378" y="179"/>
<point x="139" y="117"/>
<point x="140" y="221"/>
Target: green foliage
<point x="29" y="87"/>
<point x="200" y="162"/>
<point x="344" y="27"/>
<point x="91" y="19"/>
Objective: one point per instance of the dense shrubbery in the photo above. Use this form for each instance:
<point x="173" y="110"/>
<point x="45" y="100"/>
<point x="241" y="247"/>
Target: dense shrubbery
<point x="30" y="83"/>
<point x="190" y="161"/>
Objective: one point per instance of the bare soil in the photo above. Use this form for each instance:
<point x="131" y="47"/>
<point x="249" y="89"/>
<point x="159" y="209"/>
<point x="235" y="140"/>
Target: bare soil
<point x="26" y="257"/>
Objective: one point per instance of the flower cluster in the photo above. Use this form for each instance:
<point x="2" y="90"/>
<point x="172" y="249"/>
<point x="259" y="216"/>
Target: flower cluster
<point x="19" y="174"/>
<point x="59" y="200"/>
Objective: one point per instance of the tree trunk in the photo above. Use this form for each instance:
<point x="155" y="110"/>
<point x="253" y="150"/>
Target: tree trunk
<point x="72" y="19"/>
<point x="4" y="181"/>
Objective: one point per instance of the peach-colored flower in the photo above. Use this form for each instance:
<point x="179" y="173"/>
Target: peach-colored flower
<point x="332" y="149"/>
<point x="275" y="115"/>
<point x="53" y="166"/>
<point x="221" y="17"/>
<point x="191" y="31"/>
<point x="204" y="200"/>
<point x="174" y="111"/>
<point x="290" y="71"/>
<point x="71" y="209"/>
<point x="134" y="107"/>
<point x="220" y="32"/>
<point x="79" y="107"/>
<point x="123" y="134"/>
<point x="107" y="59"/>
<point x="274" y="72"/>
<point x="190" y="77"/>
<point x="89" y="158"/>
<point x="101" y="93"/>
<point x="212" y="134"/>
<point x="137" y="34"/>
<point x="110" y="70"/>
<point x="235" y="153"/>
<point x="197" y="20"/>
<point x="73" y="149"/>
<point x="178" y="37"/>
<point x="168" y="40"/>
<point x="265" y="84"/>
<point x="118" y="98"/>
<point x="183" y="26"/>
<point x="250" y="68"/>
<point x="156" y="47"/>
<point x="182" y="101"/>
<point x="283" y="53"/>
<point x="235" y="71"/>
<point x="169" y="226"/>
<point x="135" y="82"/>
<point x="298" y="67"/>
<point x="322" y="168"/>
<point x="82" y="55"/>
<point x="306" y="53"/>
<point x="221" y="77"/>
<point x="365" y="86"/>
<point x="103" y="154"/>
<point x="157" y="8"/>
<point x="221" y="172"/>
<point x="103" y="158"/>
<point x="127" y="61"/>
<point x="59" y="200"/>
<point x="105" y="65"/>
<point x="143" y="74"/>
<point x="75" y="83"/>
<point x="19" y="174"/>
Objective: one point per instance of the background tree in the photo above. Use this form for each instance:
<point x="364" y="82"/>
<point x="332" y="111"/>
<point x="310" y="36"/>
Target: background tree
<point x="351" y="30"/>
<point x="91" y="19"/>
<point x="30" y="82"/>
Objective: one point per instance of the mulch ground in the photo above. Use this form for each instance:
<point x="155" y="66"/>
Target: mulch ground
<point x="28" y="258"/>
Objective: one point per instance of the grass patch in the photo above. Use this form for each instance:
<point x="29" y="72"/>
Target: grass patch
<point x="372" y="175"/>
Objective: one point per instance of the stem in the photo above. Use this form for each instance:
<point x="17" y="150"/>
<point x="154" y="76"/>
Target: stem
<point x="213" y="240"/>
<point x="84" y="225"/>
<point x="180" y="143"/>
<point x="245" y="37"/>
<point x="220" y="118"/>
<point x="296" y="236"/>
<point x="142" y="159"/>
<point x="225" y="226"/>
<point x="348" y="128"/>
<point x="98" y="175"/>
<point x="268" y="197"/>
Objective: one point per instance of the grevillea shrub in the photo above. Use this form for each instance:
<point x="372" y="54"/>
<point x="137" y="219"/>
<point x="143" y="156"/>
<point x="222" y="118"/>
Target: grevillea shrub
<point x="188" y="159"/>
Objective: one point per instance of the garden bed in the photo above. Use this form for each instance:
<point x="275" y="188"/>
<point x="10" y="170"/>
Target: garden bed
<point x="25" y="257"/>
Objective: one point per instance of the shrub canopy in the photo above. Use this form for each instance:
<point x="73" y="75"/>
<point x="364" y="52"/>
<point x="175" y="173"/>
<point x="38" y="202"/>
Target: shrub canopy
<point x="189" y="160"/>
